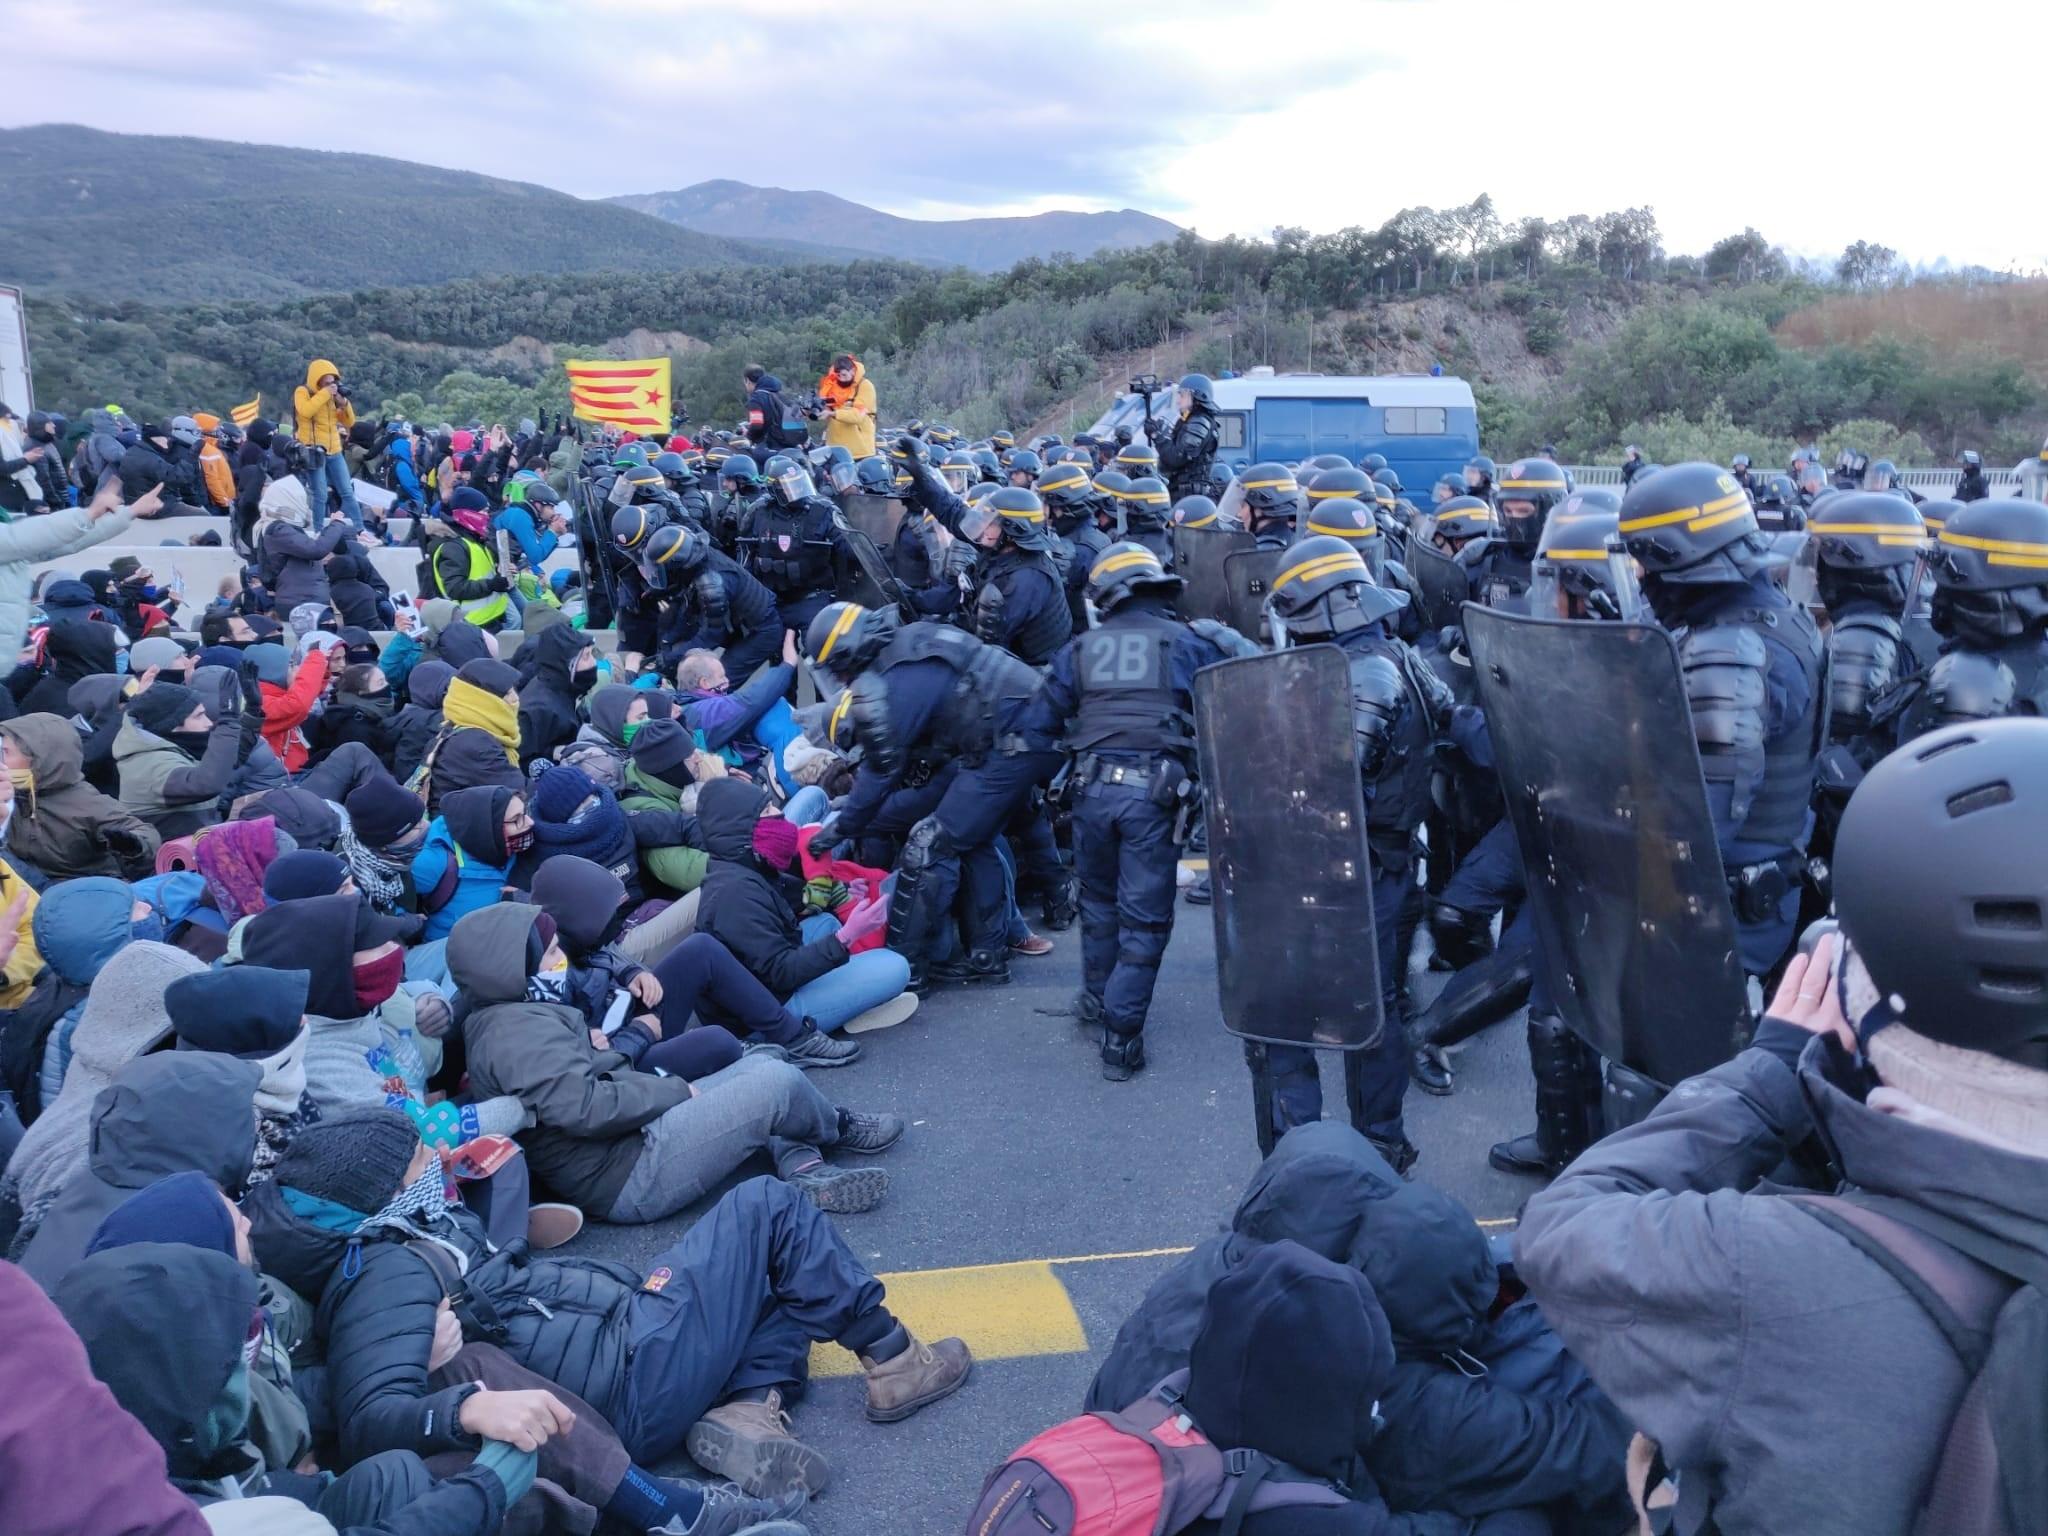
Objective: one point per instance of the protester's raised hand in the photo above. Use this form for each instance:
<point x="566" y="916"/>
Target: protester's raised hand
<point x="1807" y="996"/>
<point x="149" y="503"/>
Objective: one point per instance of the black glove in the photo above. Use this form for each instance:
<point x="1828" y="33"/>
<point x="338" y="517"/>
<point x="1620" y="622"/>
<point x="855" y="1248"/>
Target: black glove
<point x="500" y="584"/>
<point x="1151" y="430"/>
<point x="907" y="447"/>
<point x="252" y="693"/>
<point x="1123" y="437"/>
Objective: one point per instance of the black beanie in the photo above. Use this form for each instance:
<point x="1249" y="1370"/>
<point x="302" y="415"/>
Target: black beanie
<point x="162" y="707"/>
<point x="664" y="748"/>
<point x="381" y="810"/>
<point x="250" y="1011"/>
<point x="496" y="677"/>
<point x="357" y="1158"/>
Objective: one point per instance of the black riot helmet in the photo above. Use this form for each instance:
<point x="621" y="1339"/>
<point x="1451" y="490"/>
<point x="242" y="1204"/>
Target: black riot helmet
<point x="1990" y="566"/>
<point x="1201" y="389"/>
<point x="1016" y="510"/>
<point x="1448" y="486"/>
<point x="1942" y="893"/>
<point x="672" y="554"/>
<point x="1066" y="487"/>
<point x="1866" y="546"/>
<point x="1581" y="569"/>
<point x="1202" y="512"/>
<point x="1352" y="521"/>
<point x="1773" y="492"/>
<point x="1524" y="496"/>
<point x="1323" y="590"/>
<point x="1220" y="476"/>
<point x="1338" y="484"/>
<point x="845" y="637"/>
<point x="1270" y="490"/>
<point x="1125" y="570"/>
<point x="941" y="434"/>
<point x="873" y="476"/>
<point x="1146" y="504"/>
<point x="1692" y="524"/>
<point x="1110" y="486"/>
<point x="833" y="468"/>
<point x="739" y="474"/>
<point x="1373" y="463"/>
<point x="1387" y="480"/>
<point x="542" y="498"/>
<point x="1479" y="477"/>
<point x="1002" y="439"/>
<point x="633" y="526"/>
<point x="986" y="465"/>
<point x="675" y="469"/>
<point x="1138" y="460"/>
<point x="788" y="479"/>
<point x="1460" y="519"/>
<point x="1024" y="462"/>
<point x="649" y="484"/>
<point x="1310" y="468"/>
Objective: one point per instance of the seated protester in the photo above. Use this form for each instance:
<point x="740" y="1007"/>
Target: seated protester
<point x="289" y="697"/>
<point x="174" y="765"/>
<point x="50" y="1404"/>
<point x="360" y="711"/>
<point x="358" y="645"/>
<point x="171" y="661"/>
<point x="77" y="927"/>
<point x="226" y="627"/>
<point x="124" y="1018"/>
<point x="564" y="666"/>
<point x="764" y="1271"/>
<point x="1484" y="1415"/>
<point x="166" y="1326"/>
<point x="60" y="823"/>
<point x="749" y="905"/>
<point x="359" y="592"/>
<point x="231" y="858"/>
<point x="749" y="728"/>
<point x="479" y="743"/>
<point x="257" y="1015"/>
<point x="73" y="649"/>
<point x="289" y="554"/>
<point x="162" y="1114"/>
<point x="623" y="1145"/>
<point x="466" y="861"/>
<point x="574" y="814"/>
<point x="387" y="827"/>
<point x="617" y="711"/>
<point x="698" y="976"/>
<point x="223" y="693"/>
<point x="414" y="727"/>
<point x="664" y="764"/>
<point x="98" y="706"/>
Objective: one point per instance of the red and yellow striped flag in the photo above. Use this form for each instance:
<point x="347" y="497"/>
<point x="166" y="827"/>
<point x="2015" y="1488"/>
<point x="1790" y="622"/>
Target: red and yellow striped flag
<point x="631" y="394"/>
<point x="242" y="415"/>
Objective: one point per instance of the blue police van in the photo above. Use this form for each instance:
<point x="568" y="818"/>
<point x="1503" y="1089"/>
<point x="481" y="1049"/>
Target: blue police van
<point x="1426" y="426"/>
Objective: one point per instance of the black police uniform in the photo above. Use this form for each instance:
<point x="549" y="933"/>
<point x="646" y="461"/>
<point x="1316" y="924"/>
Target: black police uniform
<point x="793" y="550"/>
<point x="721" y="605"/>
<point x="1185" y="453"/>
<point x="1021" y="604"/>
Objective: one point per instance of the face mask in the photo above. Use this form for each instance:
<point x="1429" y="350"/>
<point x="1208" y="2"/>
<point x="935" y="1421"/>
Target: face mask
<point x="193" y="743"/>
<point x="378" y="704"/>
<point x="376" y="980"/>
<point x="629" y="730"/>
<point x="519" y="842"/>
<point x="24" y="779"/>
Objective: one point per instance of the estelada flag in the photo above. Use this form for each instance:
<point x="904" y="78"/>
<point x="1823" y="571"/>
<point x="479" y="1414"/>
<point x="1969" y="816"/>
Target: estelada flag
<point x="242" y="415"/>
<point x="631" y="394"/>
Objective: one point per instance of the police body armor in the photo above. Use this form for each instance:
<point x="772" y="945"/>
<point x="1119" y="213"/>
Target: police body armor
<point x="1500" y="579"/>
<point x="1863" y="651"/>
<point x="1047" y="630"/>
<point x="1123" y="671"/>
<point x="1397" y="704"/>
<point x="1725" y="668"/>
<point x="784" y="548"/>
<point x="988" y="683"/>
<point x="1084" y="546"/>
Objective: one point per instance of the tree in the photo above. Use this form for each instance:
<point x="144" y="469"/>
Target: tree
<point x="1745" y="258"/>
<point x="1867" y="265"/>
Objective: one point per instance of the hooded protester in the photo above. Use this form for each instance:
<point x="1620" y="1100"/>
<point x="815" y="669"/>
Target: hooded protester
<point x="849" y="396"/>
<point x="358" y="591"/>
<point x="405" y="478"/>
<point x="614" y="719"/>
<point x="162" y="1114"/>
<point x="362" y="710"/>
<point x="98" y="706"/>
<point x="657" y="776"/>
<point x="167" y="1327"/>
<point x="290" y="555"/>
<point x="321" y="414"/>
<point x="466" y="861"/>
<point x="256" y="1015"/>
<point x="564" y="667"/>
<point x="73" y="650"/>
<point x="232" y="858"/>
<point x="1483" y="1416"/>
<point x="220" y="689"/>
<point x="61" y="824"/>
<point x="78" y="926"/>
<point x="387" y="826"/>
<point x="414" y="727"/>
<point x="173" y="764"/>
<point x="479" y="742"/>
<point x="124" y="1018"/>
<point x="574" y="814"/>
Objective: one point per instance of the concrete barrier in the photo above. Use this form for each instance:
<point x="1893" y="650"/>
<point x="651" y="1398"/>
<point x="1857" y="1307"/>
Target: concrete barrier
<point x="202" y="568"/>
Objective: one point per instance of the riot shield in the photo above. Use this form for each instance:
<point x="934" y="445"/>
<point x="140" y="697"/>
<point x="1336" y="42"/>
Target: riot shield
<point x="1248" y="580"/>
<point x="865" y="577"/>
<point x="1602" y="782"/>
<point x="1296" y="962"/>
<point x="1443" y="583"/>
<point x="1198" y="556"/>
<point x="876" y="516"/>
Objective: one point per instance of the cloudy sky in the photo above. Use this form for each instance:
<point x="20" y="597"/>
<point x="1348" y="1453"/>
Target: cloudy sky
<point x="1816" y="123"/>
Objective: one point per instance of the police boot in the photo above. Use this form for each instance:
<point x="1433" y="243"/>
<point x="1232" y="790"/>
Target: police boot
<point x="1430" y="1069"/>
<point x="1567" y="1099"/>
<point x="974" y="968"/>
<point x="1461" y="937"/>
<point x="1481" y="995"/>
<point x="1062" y="904"/>
<point x="1197" y="894"/>
<point x="1123" y="1056"/>
<point x="1400" y="1155"/>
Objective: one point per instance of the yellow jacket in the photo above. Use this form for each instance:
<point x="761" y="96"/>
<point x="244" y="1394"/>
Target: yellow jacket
<point x="321" y="418"/>
<point x="851" y="424"/>
<point x="25" y="963"/>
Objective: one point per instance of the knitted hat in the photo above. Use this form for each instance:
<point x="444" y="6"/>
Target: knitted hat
<point x="664" y="748"/>
<point x="124" y="566"/>
<point x="357" y="1158"/>
<point x="494" y="677"/>
<point x="183" y="1208"/>
<point x="304" y="872"/>
<point x="156" y="651"/>
<point x="273" y="664"/>
<point x="382" y="811"/>
<point x="557" y="793"/>
<point x="239" y="1010"/>
<point x="162" y="707"/>
<point x="262" y="625"/>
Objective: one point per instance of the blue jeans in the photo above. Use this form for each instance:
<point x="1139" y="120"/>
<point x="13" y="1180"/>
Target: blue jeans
<point x="806" y="807"/>
<point x="1015" y="929"/>
<point x="866" y="981"/>
<point x="775" y="730"/>
<point x="325" y="470"/>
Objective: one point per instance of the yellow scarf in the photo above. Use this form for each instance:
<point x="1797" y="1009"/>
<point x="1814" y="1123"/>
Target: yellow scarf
<point x="469" y="706"/>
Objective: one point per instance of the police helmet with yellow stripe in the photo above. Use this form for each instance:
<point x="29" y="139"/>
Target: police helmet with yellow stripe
<point x="1580" y="548"/>
<point x="1342" y="483"/>
<point x="1271" y="489"/>
<point x="1867" y="529"/>
<point x="1016" y="510"/>
<point x="1692" y="524"/>
<point x="1137" y="460"/>
<point x="1066" y="487"/>
<point x="1524" y="495"/>
<point x="632" y="526"/>
<point x="1462" y="518"/>
<point x="1323" y="589"/>
<point x="1354" y="522"/>
<point x="1202" y="512"/>
<point x="845" y="637"/>
<point x="1123" y="571"/>
<point x="1991" y="546"/>
<point x="672" y="554"/>
<point x="1146" y="503"/>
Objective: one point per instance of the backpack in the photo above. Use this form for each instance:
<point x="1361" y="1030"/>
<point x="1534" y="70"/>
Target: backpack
<point x="605" y="764"/>
<point x="1147" y="1471"/>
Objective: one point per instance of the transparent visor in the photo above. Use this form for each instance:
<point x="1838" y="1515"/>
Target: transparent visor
<point x="1231" y="504"/>
<point x="1586" y="584"/>
<point x="795" y="484"/>
<point x="1799" y="575"/>
<point x="959" y="477"/>
<point x="977" y="520"/>
<point x="841" y="475"/>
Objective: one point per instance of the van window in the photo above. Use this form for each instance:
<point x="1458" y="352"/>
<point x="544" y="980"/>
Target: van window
<point x="1230" y="432"/>
<point x="1415" y="421"/>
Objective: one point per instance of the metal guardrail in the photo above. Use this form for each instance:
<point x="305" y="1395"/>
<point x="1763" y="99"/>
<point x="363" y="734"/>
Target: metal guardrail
<point x="1935" y="483"/>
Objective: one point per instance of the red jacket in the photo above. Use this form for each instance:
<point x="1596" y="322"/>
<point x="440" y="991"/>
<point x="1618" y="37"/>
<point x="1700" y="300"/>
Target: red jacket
<point x="286" y="709"/>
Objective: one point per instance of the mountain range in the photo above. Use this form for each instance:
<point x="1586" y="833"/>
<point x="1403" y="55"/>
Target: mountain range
<point x="813" y="219"/>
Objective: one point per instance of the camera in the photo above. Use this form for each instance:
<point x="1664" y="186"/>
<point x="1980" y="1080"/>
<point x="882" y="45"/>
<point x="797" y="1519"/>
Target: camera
<point x="815" y="408"/>
<point x="1148" y="385"/>
<point x="340" y="390"/>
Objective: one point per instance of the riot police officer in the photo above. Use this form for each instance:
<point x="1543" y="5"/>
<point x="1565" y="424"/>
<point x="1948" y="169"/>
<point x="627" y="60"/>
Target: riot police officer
<point x="1021" y="602"/>
<point x="681" y="480"/>
<point x="1972" y="486"/>
<point x="709" y="602"/>
<point x="636" y="606"/>
<point x="791" y="541"/>
<point x="1323" y="592"/>
<point x="1272" y="503"/>
<point x="1750" y="659"/>
<point x="1523" y="498"/>
<point x="1479" y="474"/>
<point x="924" y="695"/>
<point x="1202" y="512"/>
<point x="1124" y="691"/>
<point x="1136" y="460"/>
<point x="1146" y="505"/>
<point x="1777" y="503"/>
<point x="1069" y="496"/>
<point x="1021" y="466"/>
<point x="740" y="489"/>
<point x="1850" y="465"/>
<point x="1739" y="468"/>
<point x="1186" y="449"/>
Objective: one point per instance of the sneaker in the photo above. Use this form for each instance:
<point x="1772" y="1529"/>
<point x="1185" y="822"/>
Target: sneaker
<point x="729" y="1512"/>
<point x="749" y="1443"/>
<point x="1033" y="945"/>
<point x="921" y="1374"/>
<point x="867" y="1133"/>
<point x="765" y="1048"/>
<point x="840" y="1191"/>
<point x="884" y="1015"/>
<point x="814" y="1048"/>
<point x="549" y="1225"/>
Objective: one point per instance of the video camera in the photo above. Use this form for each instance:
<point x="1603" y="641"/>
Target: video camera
<point x="815" y="408"/>
<point x="1148" y="385"/>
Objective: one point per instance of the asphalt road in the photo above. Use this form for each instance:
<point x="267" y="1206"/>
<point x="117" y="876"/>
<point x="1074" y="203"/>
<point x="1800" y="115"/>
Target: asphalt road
<point x="1018" y="1150"/>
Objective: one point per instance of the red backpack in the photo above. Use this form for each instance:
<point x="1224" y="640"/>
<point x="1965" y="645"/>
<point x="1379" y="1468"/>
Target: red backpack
<point x="1147" y="1471"/>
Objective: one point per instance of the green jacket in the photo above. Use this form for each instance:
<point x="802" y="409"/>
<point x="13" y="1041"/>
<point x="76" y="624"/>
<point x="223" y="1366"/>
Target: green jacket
<point x="680" y="869"/>
<point x="166" y="786"/>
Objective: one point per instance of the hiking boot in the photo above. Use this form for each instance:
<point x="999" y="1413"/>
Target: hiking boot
<point x="921" y="1374"/>
<point x="729" y="1512"/>
<point x="816" y="1049"/>
<point x="549" y="1225"/>
<point x="884" y="1015"/>
<point x="1123" y="1057"/>
<point x="980" y="968"/>
<point x="1032" y="945"/>
<point x="1062" y="904"/>
<point x="839" y="1191"/>
<point x="749" y="1443"/>
<point x="868" y="1133"/>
